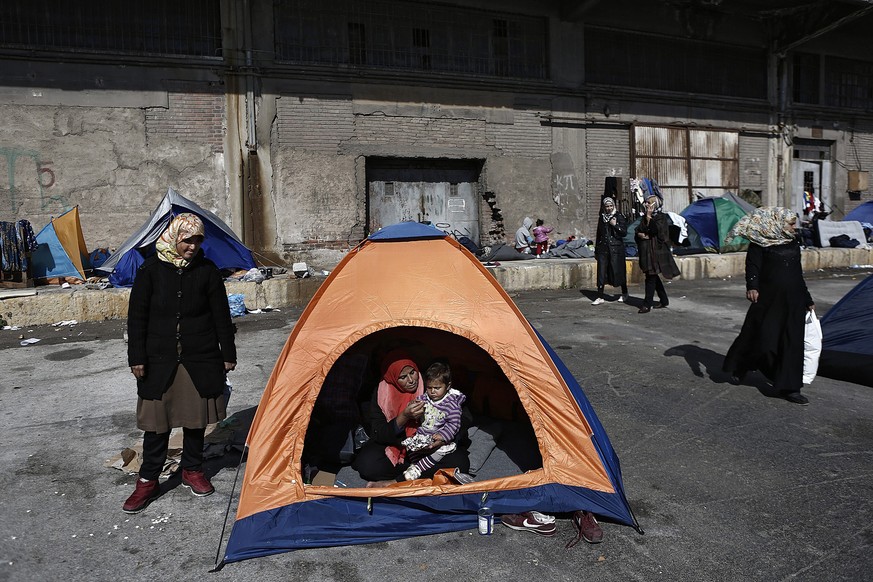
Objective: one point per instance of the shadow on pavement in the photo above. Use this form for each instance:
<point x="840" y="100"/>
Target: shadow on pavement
<point x="704" y="362"/>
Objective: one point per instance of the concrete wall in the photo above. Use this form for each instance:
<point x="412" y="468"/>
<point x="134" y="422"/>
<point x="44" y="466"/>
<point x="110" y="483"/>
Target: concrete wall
<point x="112" y="136"/>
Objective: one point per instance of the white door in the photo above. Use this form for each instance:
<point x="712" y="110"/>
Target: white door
<point x="806" y="177"/>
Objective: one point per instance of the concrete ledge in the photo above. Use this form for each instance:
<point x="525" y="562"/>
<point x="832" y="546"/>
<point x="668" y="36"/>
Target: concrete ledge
<point x="52" y="304"/>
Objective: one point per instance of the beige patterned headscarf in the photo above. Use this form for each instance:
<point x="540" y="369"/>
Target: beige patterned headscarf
<point x="765" y="227"/>
<point x="183" y="226"/>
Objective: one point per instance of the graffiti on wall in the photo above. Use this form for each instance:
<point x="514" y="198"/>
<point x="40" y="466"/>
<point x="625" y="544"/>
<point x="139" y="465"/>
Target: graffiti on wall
<point x="565" y="187"/>
<point x="34" y="175"/>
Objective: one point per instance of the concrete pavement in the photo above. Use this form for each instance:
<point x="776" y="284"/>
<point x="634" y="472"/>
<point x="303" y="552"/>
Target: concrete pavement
<point x="727" y="483"/>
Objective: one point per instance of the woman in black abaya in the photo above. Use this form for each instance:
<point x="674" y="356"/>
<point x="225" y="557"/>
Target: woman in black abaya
<point x="771" y="339"/>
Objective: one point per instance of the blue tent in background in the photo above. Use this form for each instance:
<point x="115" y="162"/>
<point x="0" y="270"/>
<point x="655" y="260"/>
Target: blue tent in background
<point x="712" y="219"/>
<point x="862" y="213"/>
<point x="847" y="343"/>
<point x="221" y="245"/>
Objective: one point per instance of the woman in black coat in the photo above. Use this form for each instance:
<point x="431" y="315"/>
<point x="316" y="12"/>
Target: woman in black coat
<point x="609" y="251"/>
<point x="656" y="257"/>
<point x="180" y="348"/>
<point x="771" y="339"/>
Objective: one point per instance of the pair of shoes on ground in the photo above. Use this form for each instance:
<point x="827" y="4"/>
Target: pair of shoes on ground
<point x="797" y="398"/>
<point x="534" y="521"/>
<point x="147" y="490"/>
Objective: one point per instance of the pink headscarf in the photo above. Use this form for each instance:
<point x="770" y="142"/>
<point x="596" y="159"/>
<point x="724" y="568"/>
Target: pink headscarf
<point x="392" y="400"/>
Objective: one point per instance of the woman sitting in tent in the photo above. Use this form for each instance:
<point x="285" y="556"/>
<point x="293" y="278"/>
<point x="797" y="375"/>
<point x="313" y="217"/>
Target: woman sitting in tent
<point x="393" y="416"/>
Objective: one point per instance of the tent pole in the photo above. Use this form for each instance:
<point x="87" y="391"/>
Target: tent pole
<point x="220" y="565"/>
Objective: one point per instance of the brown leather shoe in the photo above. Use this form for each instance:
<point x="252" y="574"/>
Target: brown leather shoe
<point x="644" y="309"/>
<point x="145" y="493"/>
<point x="197" y="482"/>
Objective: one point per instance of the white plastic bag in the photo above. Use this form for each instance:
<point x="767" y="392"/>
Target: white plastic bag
<point x="811" y="347"/>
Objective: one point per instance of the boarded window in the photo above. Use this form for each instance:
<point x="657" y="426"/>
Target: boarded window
<point x="411" y="35"/>
<point x="159" y="27"/>
<point x="632" y="59"/>
<point x="848" y="83"/>
<point x="807" y="78"/>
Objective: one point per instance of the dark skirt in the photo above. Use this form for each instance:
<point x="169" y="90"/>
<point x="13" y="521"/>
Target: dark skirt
<point x="180" y="406"/>
<point x="771" y="340"/>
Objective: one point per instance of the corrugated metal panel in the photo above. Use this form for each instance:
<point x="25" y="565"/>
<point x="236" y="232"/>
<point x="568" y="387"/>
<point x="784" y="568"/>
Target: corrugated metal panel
<point x="675" y="198"/>
<point x="714" y="144"/>
<point x="662" y="142"/>
<point x="684" y="160"/>
<point x="671" y="172"/>
<point x="753" y="162"/>
<point x="715" y="174"/>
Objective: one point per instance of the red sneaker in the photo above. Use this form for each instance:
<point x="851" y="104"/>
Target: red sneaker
<point x="534" y="521"/>
<point x="197" y="482"/>
<point x="589" y="529"/>
<point x="145" y="493"/>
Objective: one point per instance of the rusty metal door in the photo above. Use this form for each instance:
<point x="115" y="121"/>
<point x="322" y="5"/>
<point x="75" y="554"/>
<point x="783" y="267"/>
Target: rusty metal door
<point x="687" y="163"/>
<point x="444" y="194"/>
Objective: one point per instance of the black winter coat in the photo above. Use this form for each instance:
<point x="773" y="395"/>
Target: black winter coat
<point x="655" y="254"/>
<point x="771" y="339"/>
<point x="610" y="252"/>
<point x="179" y="316"/>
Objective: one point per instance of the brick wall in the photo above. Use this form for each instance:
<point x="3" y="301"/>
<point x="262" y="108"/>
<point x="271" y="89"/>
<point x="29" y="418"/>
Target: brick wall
<point x="190" y="118"/>
<point x="607" y="150"/>
<point x="424" y="132"/>
<point x="526" y="137"/>
<point x="314" y="123"/>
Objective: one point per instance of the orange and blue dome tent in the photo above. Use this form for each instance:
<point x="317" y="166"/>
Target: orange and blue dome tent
<point x="412" y="275"/>
<point x="61" y="252"/>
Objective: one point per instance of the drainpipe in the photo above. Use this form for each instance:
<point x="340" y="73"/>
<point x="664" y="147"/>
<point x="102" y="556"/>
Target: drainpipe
<point x="249" y="149"/>
<point x="251" y="132"/>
